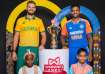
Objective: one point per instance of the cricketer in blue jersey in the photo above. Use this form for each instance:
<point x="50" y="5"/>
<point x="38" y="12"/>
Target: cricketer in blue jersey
<point x="79" y="34"/>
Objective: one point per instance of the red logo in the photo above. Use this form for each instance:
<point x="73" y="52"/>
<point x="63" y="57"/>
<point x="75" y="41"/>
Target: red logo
<point x="54" y="66"/>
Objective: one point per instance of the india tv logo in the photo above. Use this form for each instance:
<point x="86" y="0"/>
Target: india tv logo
<point x="54" y="66"/>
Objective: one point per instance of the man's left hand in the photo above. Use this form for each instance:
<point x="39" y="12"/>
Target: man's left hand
<point x="90" y="57"/>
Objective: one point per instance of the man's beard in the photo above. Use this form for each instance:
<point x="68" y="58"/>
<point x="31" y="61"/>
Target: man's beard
<point x="75" y="16"/>
<point x="30" y="13"/>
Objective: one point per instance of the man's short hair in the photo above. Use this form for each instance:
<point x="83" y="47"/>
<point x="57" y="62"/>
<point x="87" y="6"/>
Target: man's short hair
<point x="75" y="5"/>
<point x="31" y="2"/>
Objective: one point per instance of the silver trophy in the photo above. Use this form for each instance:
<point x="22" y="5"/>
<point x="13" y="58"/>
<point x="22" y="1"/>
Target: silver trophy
<point x="54" y="31"/>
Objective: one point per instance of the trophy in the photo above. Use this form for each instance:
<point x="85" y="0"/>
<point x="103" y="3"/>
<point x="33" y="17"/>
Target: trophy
<point x="54" y="31"/>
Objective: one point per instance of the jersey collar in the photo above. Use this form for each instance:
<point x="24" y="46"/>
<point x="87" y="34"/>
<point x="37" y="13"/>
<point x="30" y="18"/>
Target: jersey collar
<point x="29" y="18"/>
<point x="76" y="21"/>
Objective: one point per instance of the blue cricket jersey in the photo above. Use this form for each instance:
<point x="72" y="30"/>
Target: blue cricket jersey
<point x="77" y="33"/>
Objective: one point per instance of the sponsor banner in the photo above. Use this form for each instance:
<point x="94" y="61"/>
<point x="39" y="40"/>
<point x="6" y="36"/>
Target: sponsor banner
<point x="54" y="61"/>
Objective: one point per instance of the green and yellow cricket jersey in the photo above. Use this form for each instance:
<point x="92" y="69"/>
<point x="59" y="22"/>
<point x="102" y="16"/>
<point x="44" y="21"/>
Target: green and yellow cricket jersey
<point x="29" y="31"/>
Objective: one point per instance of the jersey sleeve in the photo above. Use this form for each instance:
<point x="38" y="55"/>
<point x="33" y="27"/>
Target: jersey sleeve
<point x="18" y="25"/>
<point x="88" y="27"/>
<point x="41" y="26"/>
<point x="64" y="30"/>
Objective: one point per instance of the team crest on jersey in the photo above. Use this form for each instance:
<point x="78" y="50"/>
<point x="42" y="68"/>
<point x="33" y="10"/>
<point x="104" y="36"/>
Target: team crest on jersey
<point x="81" y="26"/>
<point x="70" y="28"/>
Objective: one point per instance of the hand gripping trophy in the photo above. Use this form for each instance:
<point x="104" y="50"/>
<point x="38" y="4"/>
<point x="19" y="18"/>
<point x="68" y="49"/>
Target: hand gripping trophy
<point x="54" y="31"/>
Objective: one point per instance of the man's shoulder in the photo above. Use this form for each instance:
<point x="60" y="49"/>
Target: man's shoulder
<point x="84" y="20"/>
<point x="69" y="21"/>
<point x="21" y="18"/>
<point x="37" y="18"/>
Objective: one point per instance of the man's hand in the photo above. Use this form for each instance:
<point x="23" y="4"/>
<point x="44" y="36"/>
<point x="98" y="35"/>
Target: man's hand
<point x="53" y="21"/>
<point x="65" y="47"/>
<point x="15" y="43"/>
<point x="41" y="47"/>
<point x="90" y="40"/>
<point x="14" y="56"/>
<point x="90" y="57"/>
<point x="43" y="41"/>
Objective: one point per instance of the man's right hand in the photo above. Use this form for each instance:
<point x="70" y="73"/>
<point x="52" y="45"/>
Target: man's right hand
<point x="65" y="47"/>
<point x="53" y="21"/>
<point x="14" y="56"/>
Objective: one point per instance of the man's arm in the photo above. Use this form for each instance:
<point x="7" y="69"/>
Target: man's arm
<point x="15" y="43"/>
<point x="43" y="34"/>
<point x="63" y="41"/>
<point x="16" y="34"/>
<point x="63" y="36"/>
<point x="15" y="40"/>
<point x="90" y="40"/>
<point x="43" y="40"/>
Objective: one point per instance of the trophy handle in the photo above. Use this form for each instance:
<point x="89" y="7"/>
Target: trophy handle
<point x="49" y="29"/>
<point x="53" y="30"/>
<point x="58" y="29"/>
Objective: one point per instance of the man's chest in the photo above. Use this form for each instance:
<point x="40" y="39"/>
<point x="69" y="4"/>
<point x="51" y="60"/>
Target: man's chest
<point x="74" y="29"/>
<point x="29" y="26"/>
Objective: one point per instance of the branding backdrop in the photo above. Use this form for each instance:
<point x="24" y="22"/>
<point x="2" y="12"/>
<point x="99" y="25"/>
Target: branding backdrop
<point x="11" y="10"/>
